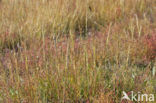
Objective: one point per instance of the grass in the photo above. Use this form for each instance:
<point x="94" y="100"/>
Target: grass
<point x="84" y="51"/>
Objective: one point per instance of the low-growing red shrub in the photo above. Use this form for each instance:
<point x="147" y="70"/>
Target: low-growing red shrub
<point x="150" y="43"/>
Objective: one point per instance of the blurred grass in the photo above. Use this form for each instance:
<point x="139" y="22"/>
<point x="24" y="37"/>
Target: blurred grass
<point x="76" y="51"/>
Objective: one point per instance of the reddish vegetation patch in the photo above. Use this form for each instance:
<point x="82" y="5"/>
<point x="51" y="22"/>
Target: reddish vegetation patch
<point x="150" y="43"/>
<point x="57" y="48"/>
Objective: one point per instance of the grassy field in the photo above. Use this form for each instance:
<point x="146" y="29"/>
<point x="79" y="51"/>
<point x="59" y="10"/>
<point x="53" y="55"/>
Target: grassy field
<point x="76" y="51"/>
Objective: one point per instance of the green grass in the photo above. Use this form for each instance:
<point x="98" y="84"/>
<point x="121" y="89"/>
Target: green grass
<point x="84" y="51"/>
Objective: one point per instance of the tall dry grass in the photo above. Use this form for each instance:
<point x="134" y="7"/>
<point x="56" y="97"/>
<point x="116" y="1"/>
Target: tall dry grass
<point x="76" y="50"/>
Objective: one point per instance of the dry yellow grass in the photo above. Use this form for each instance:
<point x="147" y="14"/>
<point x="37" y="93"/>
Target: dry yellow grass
<point x="76" y="51"/>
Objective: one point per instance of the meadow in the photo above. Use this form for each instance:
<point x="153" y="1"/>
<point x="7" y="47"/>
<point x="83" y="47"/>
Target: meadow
<point x="76" y="51"/>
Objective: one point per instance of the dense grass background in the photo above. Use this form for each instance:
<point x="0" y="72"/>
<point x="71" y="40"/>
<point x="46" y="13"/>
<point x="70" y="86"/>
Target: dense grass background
<point x="76" y="51"/>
